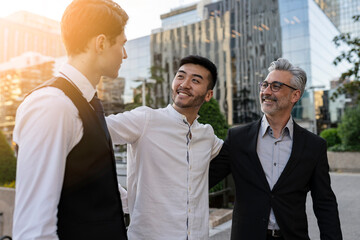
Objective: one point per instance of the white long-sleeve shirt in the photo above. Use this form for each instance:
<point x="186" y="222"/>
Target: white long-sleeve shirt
<point x="167" y="172"/>
<point x="47" y="127"/>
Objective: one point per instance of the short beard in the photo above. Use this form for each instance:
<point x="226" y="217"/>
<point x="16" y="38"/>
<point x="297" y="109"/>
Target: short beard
<point x="197" y="102"/>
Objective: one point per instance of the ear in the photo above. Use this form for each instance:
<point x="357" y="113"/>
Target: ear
<point x="295" y="96"/>
<point x="100" y="43"/>
<point x="209" y="95"/>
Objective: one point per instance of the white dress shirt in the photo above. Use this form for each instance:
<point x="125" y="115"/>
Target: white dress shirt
<point x="47" y="127"/>
<point x="167" y="172"/>
<point x="274" y="153"/>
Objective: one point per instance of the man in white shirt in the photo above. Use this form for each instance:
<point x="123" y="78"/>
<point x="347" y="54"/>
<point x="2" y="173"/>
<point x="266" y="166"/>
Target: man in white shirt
<point x="66" y="185"/>
<point x="169" y="153"/>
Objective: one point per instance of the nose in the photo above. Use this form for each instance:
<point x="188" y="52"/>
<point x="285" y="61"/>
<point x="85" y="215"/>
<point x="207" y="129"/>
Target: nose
<point x="125" y="56"/>
<point x="186" y="83"/>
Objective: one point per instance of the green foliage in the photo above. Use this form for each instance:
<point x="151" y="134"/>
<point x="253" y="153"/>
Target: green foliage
<point x="351" y="56"/>
<point x="344" y="148"/>
<point x="217" y="187"/>
<point x="210" y="114"/>
<point x="7" y="161"/>
<point x="349" y="128"/>
<point x="331" y="136"/>
<point x="9" y="185"/>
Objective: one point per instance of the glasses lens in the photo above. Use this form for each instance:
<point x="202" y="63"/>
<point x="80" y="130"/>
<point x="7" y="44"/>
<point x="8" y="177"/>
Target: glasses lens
<point x="275" y="86"/>
<point x="263" y="85"/>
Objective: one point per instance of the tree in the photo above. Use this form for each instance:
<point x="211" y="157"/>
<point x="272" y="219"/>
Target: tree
<point x="7" y="161"/>
<point x="331" y="136"/>
<point x="350" y="78"/>
<point x="349" y="128"/>
<point x="210" y="114"/>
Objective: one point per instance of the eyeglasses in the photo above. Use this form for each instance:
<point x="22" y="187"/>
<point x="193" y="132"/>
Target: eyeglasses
<point x="275" y="86"/>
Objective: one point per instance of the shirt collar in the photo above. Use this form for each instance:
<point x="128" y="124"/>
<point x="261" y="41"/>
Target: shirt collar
<point x="265" y="125"/>
<point x="180" y="117"/>
<point x="73" y="75"/>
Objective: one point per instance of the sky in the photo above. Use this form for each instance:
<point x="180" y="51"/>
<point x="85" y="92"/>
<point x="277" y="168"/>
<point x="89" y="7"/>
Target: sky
<point x="144" y="15"/>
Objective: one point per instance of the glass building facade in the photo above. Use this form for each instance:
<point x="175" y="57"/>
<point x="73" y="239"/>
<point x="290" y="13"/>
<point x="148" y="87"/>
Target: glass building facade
<point x="136" y="66"/>
<point x="348" y="9"/>
<point x="341" y="12"/>
<point x="242" y="38"/>
<point x="307" y="35"/>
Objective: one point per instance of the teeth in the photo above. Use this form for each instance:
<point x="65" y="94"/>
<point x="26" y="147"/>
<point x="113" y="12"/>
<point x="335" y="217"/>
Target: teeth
<point x="183" y="94"/>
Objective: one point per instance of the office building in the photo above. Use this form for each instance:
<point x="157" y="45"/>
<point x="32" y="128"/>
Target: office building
<point x="242" y="38"/>
<point x="17" y="78"/>
<point x="111" y="93"/>
<point x="26" y="32"/>
<point x="136" y="67"/>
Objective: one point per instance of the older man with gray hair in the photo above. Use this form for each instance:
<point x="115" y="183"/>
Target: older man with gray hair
<point x="275" y="163"/>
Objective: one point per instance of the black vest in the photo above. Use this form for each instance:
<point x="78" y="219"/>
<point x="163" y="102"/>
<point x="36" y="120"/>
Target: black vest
<point x="90" y="204"/>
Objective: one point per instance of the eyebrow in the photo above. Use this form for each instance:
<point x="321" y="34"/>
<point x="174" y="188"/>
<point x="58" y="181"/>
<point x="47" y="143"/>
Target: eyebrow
<point x="195" y="75"/>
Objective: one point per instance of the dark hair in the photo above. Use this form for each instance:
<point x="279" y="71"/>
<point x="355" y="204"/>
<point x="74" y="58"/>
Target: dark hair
<point x="206" y="63"/>
<point x="85" y="19"/>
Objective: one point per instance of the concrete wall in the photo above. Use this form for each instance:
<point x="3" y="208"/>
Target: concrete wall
<point x="7" y="198"/>
<point x="344" y="161"/>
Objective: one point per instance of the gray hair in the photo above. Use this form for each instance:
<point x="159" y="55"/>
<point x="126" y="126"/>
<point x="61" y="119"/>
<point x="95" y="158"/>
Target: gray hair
<point x="299" y="75"/>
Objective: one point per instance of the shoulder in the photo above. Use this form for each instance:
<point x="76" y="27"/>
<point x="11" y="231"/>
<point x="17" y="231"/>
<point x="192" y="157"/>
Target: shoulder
<point x="49" y="99"/>
<point x="205" y="127"/>
<point x="244" y="128"/>
<point x="45" y="111"/>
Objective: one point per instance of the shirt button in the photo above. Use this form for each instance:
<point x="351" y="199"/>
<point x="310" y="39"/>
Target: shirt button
<point x="275" y="164"/>
<point x="190" y="167"/>
<point x="189" y="210"/>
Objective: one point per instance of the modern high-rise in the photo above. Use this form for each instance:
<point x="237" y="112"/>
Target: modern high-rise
<point x="242" y="38"/>
<point x="27" y="32"/>
<point x="341" y="12"/>
<point x="17" y="78"/>
<point x="136" y="66"/>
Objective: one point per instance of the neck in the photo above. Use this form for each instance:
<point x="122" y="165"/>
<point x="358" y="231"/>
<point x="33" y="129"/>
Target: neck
<point x="84" y="63"/>
<point x="190" y="113"/>
<point x="277" y="123"/>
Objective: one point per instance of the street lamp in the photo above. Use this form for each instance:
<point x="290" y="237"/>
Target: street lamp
<point x="143" y="91"/>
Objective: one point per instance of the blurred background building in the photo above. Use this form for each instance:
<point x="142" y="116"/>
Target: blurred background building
<point x="241" y="37"/>
<point x="26" y="32"/>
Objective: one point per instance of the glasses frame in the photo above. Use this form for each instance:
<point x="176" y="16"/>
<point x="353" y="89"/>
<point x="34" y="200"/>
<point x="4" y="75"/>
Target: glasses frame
<point x="271" y="86"/>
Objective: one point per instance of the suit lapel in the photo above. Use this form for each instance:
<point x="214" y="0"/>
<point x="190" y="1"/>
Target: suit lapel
<point x="295" y="156"/>
<point x="253" y="136"/>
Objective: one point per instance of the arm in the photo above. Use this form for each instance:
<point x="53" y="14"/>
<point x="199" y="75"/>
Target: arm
<point x="127" y="127"/>
<point x="46" y="130"/>
<point x="324" y="200"/>
<point x="220" y="165"/>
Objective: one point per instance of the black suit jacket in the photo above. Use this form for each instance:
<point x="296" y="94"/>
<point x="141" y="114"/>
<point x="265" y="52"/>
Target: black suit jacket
<point x="307" y="170"/>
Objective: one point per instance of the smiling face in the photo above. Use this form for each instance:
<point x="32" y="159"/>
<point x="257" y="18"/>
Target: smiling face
<point x="190" y="87"/>
<point x="279" y="103"/>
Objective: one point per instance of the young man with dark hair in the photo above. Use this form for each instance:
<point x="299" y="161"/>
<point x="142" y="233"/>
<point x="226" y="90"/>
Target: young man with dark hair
<point x="169" y="153"/>
<point x="66" y="185"/>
